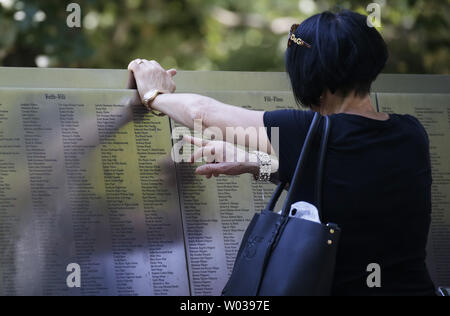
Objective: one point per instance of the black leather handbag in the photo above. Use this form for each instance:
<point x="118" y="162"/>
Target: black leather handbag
<point x="287" y="256"/>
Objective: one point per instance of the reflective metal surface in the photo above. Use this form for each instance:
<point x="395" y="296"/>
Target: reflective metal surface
<point x="203" y="80"/>
<point x="86" y="178"/>
<point x="79" y="183"/>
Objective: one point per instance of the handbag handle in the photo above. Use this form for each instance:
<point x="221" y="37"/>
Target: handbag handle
<point x="300" y="165"/>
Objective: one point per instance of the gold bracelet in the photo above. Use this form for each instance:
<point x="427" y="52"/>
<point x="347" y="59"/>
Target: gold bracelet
<point x="148" y="99"/>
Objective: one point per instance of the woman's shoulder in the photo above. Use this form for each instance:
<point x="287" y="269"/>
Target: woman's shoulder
<point x="295" y="114"/>
<point x="408" y="118"/>
<point x="288" y="118"/>
<point x="412" y="123"/>
<point x="300" y="119"/>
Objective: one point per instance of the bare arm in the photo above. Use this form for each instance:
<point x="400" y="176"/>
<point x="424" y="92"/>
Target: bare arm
<point x="245" y="126"/>
<point x="187" y="108"/>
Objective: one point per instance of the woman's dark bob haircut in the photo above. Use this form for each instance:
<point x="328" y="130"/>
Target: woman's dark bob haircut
<point x="346" y="55"/>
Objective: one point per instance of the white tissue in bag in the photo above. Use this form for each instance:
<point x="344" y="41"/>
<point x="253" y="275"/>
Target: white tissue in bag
<point x="306" y="211"/>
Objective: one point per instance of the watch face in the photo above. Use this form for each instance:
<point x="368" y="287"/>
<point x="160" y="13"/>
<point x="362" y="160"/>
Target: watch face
<point x="151" y="95"/>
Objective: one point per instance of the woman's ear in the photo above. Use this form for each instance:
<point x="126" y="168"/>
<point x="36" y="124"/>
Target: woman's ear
<point x="326" y="94"/>
<point x="323" y="98"/>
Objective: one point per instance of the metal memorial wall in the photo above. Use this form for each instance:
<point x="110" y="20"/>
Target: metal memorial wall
<point x="86" y="178"/>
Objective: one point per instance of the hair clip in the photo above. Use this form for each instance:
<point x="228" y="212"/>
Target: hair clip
<point x="294" y="39"/>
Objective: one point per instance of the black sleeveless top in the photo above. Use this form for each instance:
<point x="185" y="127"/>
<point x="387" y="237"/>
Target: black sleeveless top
<point x="377" y="188"/>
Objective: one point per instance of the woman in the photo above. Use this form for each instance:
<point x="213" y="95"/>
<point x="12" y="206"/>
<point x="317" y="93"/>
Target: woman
<point x="378" y="183"/>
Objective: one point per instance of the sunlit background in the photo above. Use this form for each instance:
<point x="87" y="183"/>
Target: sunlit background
<point x="244" y="35"/>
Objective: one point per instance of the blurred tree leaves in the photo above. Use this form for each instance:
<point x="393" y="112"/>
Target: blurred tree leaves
<point x="206" y="34"/>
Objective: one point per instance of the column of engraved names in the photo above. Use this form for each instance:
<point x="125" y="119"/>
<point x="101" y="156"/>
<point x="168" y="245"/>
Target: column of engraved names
<point x="82" y="199"/>
<point x="235" y="218"/>
<point x="9" y="217"/>
<point x="261" y="194"/>
<point x="440" y="230"/>
<point x="156" y="198"/>
<point x="199" y="240"/>
<point x="119" y="199"/>
<point x="262" y="191"/>
<point x="42" y="167"/>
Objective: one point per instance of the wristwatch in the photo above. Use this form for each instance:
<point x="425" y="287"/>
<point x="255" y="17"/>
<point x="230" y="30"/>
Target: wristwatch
<point x="265" y="166"/>
<point x="148" y="99"/>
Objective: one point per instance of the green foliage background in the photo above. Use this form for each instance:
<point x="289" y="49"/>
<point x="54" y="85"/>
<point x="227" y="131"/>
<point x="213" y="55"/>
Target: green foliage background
<point x="244" y="35"/>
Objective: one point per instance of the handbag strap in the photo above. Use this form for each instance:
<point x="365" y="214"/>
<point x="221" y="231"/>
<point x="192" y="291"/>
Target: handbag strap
<point x="300" y="165"/>
<point x="321" y="167"/>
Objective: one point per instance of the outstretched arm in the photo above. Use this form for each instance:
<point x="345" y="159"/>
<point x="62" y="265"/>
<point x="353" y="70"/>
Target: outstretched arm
<point x="187" y="108"/>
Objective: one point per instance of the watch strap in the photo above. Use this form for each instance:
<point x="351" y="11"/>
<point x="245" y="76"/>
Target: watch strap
<point x="148" y="99"/>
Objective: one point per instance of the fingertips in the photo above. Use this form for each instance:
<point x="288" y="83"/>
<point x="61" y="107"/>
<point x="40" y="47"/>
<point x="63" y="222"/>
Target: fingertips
<point x="172" y="72"/>
<point x="132" y="64"/>
<point x="208" y="171"/>
<point x="205" y="170"/>
<point x="201" y="170"/>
